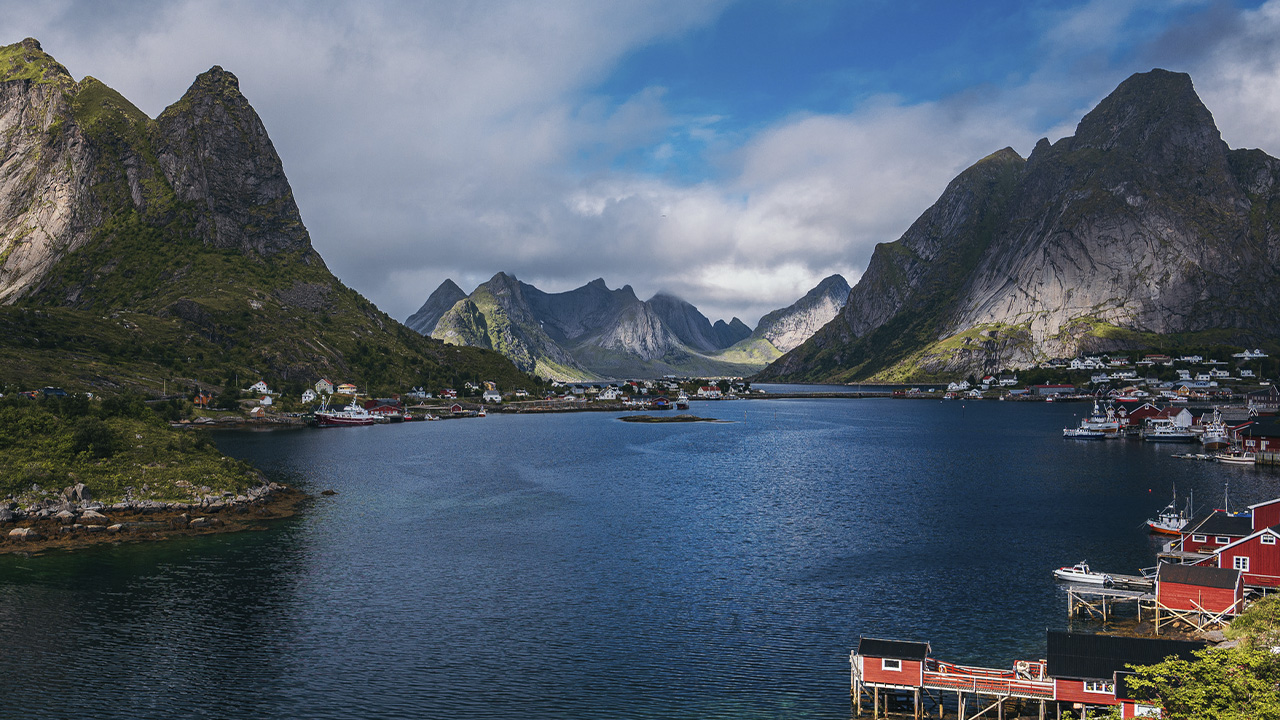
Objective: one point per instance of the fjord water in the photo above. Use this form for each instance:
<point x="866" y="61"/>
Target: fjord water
<point x="576" y="566"/>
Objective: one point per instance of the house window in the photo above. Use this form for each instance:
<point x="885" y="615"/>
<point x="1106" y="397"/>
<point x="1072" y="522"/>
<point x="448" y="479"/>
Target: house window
<point x="1222" y="539"/>
<point x="1268" y="540"/>
<point x="1099" y="686"/>
<point x="1198" y="538"/>
<point x="1240" y="563"/>
<point x="887" y="664"/>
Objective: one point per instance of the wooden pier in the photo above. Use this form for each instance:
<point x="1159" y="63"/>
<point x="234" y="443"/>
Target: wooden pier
<point x="1100" y="602"/>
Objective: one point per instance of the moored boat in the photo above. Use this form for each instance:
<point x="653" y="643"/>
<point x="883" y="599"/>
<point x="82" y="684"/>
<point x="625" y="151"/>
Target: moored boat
<point x="1170" y="521"/>
<point x="1080" y="573"/>
<point x="1163" y="430"/>
<point x="1237" y="458"/>
<point x="352" y="414"/>
<point x="1083" y="434"/>
<point x="1216" y="435"/>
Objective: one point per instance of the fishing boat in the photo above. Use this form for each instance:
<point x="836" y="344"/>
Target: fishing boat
<point x="1080" y="573"/>
<point x="1100" y="425"/>
<point x="1163" y="430"/>
<point x="1083" y="434"/>
<point x="1237" y="458"/>
<point x="1216" y="435"/>
<point x="352" y="414"/>
<point x="1170" y="521"/>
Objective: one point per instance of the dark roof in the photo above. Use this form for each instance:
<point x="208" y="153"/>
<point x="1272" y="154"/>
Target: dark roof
<point x="899" y="649"/>
<point x="1199" y="575"/>
<point x="1220" y="523"/>
<point x="1261" y="427"/>
<point x="1099" y="657"/>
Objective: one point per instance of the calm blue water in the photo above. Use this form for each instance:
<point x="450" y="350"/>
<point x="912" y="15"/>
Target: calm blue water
<point x="574" y="566"/>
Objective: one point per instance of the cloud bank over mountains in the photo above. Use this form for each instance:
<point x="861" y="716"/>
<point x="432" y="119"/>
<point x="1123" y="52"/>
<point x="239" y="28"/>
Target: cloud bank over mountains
<point x="426" y="141"/>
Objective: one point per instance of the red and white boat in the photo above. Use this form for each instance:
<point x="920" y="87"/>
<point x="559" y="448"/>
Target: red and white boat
<point x="352" y="414"/>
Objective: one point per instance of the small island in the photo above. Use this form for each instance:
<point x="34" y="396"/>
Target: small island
<point x="683" y="418"/>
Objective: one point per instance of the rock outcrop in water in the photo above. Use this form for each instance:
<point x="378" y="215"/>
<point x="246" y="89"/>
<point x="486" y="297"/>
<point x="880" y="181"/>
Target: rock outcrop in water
<point x="1143" y="230"/>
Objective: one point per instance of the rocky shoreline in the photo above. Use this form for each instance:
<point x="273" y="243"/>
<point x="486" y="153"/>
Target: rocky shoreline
<point x="73" y="520"/>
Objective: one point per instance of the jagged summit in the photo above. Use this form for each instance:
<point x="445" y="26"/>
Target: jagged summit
<point x="445" y="297"/>
<point x="216" y="154"/>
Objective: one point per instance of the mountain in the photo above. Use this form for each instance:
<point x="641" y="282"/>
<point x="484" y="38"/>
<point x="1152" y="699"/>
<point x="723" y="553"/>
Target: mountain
<point x="446" y="296"/>
<point x="170" y="252"/>
<point x="1141" y="231"/>
<point x="593" y="332"/>
<point x="789" y="327"/>
<point x="784" y="329"/>
<point x="693" y="328"/>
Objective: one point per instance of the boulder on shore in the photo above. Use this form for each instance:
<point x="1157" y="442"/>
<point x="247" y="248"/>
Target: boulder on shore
<point x="24" y="533"/>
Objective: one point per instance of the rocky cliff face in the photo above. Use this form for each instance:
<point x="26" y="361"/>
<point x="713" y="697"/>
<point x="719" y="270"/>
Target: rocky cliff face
<point x="47" y="207"/>
<point x="446" y="296"/>
<point x="789" y="327"/>
<point x="1142" y="226"/>
<point x="216" y="156"/>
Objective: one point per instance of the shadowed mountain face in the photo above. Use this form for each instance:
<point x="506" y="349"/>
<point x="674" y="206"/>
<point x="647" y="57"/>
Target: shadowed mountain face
<point x="186" y="223"/>
<point x="1143" y="230"/>
<point x="593" y="332"/>
<point x="446" y="296"/>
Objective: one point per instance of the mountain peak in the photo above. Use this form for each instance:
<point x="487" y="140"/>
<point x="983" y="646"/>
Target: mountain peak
<point x="1150" y="113"/>
<point x="26" y="60"/>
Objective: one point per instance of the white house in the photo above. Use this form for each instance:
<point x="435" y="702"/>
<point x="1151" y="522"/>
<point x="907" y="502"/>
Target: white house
<point x="266" y="401"/>
<point x="491" y="396"/>
<point x="710" y="392"/>
<point x="609" y="393"/>
<point x="308" y="395"/>
<point x="260" y="388"/>
<point x="1008" y="380"/>
<point x="324" y="387"/>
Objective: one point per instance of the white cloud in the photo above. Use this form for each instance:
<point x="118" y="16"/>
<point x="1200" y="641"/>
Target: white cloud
<point x="459" y="139"/>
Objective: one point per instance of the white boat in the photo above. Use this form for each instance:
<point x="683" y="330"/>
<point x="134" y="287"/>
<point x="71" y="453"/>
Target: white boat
<point x="1163" y="430"/>
<point x="1083" y="434"/>
<point x="1100" y="425"/>
<point x="352" y="414"/>
<point x="1170" y="521"/>
<point x="1216" y="435"/>
<point x="1237" y="458"/>
<point x="1080" y="573"/>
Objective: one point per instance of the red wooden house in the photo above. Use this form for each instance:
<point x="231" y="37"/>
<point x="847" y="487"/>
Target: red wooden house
<point x="1206" y="534"/>
<point x="1257" y="557"/>
<point x="892" y="663"/>
<point x="1084" y="667"/>
<point x="1199" y="589"/>
<point x="1259" y="435"/>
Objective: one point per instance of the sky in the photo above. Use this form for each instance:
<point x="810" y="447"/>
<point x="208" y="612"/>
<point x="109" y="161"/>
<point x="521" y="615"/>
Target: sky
<point x="732" y="153"/>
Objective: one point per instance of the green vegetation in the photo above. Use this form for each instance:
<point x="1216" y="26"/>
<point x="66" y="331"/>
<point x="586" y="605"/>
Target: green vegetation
<point x="751" y="351"/>
<point x="115" y="446"/>
<point x="1236" y="683"/>
<point x="25" y="61"/>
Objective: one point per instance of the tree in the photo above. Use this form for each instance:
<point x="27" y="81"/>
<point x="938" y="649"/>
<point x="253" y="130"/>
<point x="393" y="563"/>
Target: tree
<point x="93" y="436"/>
<point x="1237" y="683"/>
